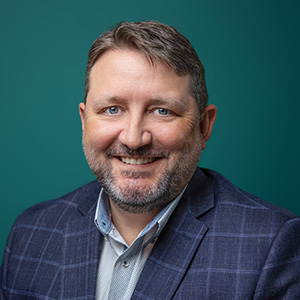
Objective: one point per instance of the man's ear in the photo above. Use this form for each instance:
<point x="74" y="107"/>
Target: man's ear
<point x="81" y="113"/>
<point x="207" y="121"/>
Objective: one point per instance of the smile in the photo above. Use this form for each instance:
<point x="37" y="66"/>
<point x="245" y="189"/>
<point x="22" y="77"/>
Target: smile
<point x="137" y="161"/>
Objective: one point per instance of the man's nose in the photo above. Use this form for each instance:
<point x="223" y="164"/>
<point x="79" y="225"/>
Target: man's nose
<point x="134" y="134"/>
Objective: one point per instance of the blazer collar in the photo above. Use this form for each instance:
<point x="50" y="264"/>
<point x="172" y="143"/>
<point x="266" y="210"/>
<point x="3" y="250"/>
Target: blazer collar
<point x="169" y="258"/>
<point x="199" y="196"/>
<point x="88" y="197"/>
<point x="178" y="242"/>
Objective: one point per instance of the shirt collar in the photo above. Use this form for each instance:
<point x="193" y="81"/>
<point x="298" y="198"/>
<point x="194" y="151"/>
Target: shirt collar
<point x="104" y="224"/>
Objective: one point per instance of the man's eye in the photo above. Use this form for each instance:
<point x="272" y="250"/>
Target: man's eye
<point x="163" y="111"/>
<point x="112" y="110"/>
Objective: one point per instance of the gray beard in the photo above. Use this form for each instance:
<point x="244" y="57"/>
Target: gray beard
<point x="135" y="199"/>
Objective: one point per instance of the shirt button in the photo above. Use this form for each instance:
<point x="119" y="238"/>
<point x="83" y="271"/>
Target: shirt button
<point x="126" y="263"/>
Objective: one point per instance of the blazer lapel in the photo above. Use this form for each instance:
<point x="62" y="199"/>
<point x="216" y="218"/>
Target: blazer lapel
<point x="176" y="246"/>
<point x="81" y="246"/>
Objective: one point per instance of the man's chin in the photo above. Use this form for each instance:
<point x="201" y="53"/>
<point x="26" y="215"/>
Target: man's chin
<point x="137" y="185"/>
<point x="137" y="203"/>
<point x="138" y="198"/>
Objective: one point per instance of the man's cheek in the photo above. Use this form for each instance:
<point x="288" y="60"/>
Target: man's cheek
<point x="97" y="137"/>
<point x="176" y="142"/>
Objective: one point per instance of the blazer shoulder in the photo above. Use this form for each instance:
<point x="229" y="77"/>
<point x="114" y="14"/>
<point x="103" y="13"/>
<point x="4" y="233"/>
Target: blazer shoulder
<point x="76" y="203"/>
<point x="39" y="238"/>
<point x="229" y="196"/>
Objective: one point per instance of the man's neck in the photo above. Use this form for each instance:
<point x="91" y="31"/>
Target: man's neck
<point x="129" y="224"/>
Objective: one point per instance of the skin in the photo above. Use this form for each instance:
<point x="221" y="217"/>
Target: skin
<point x="135" y="110"/>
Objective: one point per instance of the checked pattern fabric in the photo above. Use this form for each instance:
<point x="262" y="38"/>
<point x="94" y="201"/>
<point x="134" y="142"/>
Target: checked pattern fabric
<point x="219" y="243"/>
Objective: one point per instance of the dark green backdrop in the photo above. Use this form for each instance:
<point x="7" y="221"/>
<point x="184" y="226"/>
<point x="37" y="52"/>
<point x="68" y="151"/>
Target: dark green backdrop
<point x="250" y="50"/>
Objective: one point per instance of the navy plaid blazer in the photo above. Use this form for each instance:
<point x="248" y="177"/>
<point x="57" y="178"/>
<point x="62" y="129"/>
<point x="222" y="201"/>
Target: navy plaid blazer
<point x="220" y="243"/>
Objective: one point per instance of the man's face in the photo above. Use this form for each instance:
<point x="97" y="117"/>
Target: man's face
<point x="141" y="131"/>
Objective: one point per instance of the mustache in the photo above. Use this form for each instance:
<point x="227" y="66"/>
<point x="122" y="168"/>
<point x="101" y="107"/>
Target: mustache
<point x="143" y="151"/>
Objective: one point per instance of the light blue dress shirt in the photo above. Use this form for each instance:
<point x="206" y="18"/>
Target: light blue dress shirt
<point x="120" y="266"/>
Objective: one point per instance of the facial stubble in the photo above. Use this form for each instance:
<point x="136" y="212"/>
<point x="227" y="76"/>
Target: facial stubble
<point x="139" y="199"/>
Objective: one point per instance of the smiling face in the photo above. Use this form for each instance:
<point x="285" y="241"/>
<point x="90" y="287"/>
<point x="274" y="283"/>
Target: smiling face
<point x="141" y="130"/>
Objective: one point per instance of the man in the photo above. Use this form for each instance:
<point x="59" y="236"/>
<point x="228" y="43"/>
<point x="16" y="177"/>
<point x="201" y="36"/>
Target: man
<point x="153" y="226"/>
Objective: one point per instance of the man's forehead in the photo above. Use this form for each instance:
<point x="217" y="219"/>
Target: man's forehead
<point x="125" y="59"/>
<point x="154" y="62"/>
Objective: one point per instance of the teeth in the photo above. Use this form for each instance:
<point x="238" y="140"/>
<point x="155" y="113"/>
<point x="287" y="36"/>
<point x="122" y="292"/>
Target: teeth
<point x="137" y="161"/>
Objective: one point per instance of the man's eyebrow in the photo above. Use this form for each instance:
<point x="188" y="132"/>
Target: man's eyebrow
<point x="150" y="101"/>
<point x="108" y="99"/>
<point x="167" y="100"/>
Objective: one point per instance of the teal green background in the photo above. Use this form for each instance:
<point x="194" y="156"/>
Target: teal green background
<point x="250" y="50"/>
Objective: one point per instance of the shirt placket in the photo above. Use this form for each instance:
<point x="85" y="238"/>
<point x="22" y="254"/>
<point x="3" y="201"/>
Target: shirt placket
<point x="123" y="270"/>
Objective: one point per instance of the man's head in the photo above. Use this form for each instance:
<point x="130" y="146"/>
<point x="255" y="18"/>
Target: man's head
<point x="142" y="128"/>
<point x="158" y="42"/>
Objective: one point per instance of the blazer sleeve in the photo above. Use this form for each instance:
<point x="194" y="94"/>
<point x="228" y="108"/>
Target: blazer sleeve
<point x="5" y="275"/>
<point x="5" y="266"/>
<point x="280" y="276"/>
